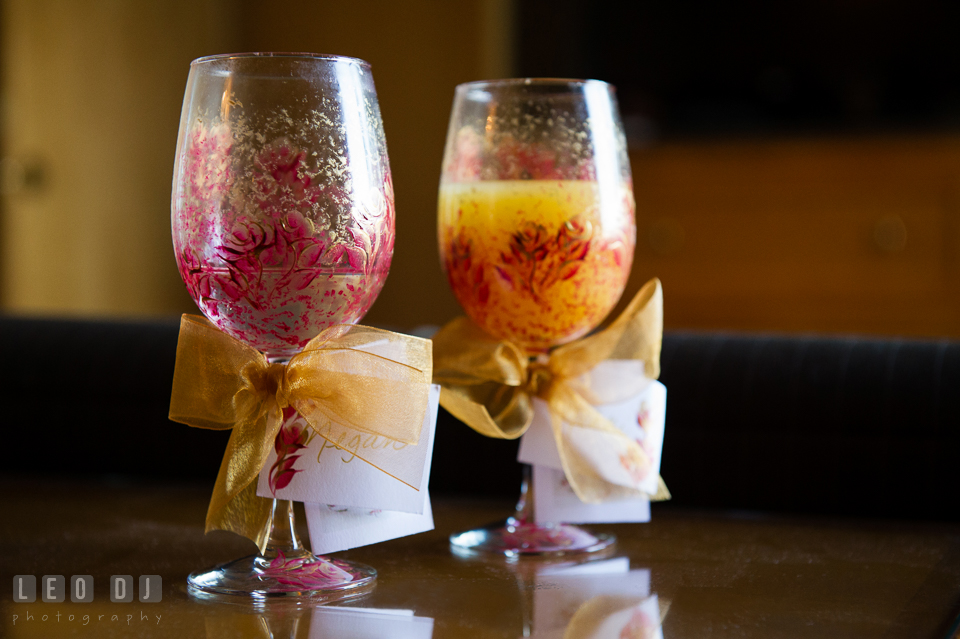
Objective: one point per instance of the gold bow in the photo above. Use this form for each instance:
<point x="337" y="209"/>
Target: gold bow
<point x="589" y="619"/>
<point x="220" y="383"/>
<point x="489" y="385"/>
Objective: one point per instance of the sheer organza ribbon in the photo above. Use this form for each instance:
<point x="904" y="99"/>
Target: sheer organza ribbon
<point x="489" y="384"/>
<point x="221" y="383"/>
<point x="588" y="622"/>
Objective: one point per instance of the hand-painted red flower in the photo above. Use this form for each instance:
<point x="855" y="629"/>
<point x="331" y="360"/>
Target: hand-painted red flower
<point x="293" y="437"/>
<point x="530" y="242"/>
<point x="573" y="244"/>
<point x="537" y="260"/>
<point x="295" y="226"/>
<point x="636" y="465"/>
<point x="246" y="235"/>
<point x="573" y="239"/>
<point x="304" y="573"/>
<point x="253" y="247"/>
<point x="462" y="273"/>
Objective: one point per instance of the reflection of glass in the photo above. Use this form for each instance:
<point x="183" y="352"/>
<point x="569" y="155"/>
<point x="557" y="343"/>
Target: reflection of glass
<point x="593" y="600"/>
<point x="536" y="231"/>
<point x="283" y="225"/>
<point x="304" y="619"/>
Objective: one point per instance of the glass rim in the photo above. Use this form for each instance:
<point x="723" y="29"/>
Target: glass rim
<point x="537" y="82"/>
<point x="280" y="54"/>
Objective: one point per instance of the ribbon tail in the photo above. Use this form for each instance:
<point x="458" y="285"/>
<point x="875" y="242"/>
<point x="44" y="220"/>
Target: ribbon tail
<point x="235" y="505"/>
<point x="663" y="493"/>
<point x="636" y="334"/>
<point x="600" y="463"/>
<point x="510" y="422"/>
<point x="245" y="513"/>
<point x="590" y="617"/>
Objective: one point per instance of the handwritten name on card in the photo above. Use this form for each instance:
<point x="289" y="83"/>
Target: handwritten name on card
<point x="325" y="469"/>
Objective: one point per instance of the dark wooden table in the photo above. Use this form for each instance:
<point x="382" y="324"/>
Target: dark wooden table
<point x="715" y="574"/>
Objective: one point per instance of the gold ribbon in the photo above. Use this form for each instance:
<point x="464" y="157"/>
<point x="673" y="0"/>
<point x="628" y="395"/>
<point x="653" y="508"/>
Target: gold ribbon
<point x="221" y="383"/>
<point x="489" y="384"/>
<point x="588" y="620"/>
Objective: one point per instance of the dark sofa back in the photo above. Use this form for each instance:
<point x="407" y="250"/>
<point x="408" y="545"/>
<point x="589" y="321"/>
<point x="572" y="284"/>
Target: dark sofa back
<point x="828" y="425"/>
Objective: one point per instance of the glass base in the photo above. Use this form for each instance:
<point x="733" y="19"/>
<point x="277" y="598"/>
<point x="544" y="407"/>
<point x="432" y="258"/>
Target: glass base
<point x="306" y="575"/>
<point x="513" y="539"/>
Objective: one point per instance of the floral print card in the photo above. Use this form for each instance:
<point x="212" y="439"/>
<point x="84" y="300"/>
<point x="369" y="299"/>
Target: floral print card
<point x="609" y="600"/>
<point x="336" y="528"/>
<point x="309" y="468"/>
<point x="555" y="501"/>
<point x="640" y="417"/>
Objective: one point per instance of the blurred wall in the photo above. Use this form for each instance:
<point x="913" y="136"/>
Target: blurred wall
<point x="91" y="103"/>
<point x="830" y="234"/>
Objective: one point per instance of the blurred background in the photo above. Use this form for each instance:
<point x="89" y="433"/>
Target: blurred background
<point x="796" y="164"/>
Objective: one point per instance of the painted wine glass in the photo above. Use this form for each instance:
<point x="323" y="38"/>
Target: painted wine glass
<point x="283" y="225"/>
<point x="536" y="231"/>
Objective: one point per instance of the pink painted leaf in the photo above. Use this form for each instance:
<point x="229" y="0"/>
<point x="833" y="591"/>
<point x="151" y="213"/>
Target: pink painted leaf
<point x="284" y="479"/>
<point x="300" y="573"/>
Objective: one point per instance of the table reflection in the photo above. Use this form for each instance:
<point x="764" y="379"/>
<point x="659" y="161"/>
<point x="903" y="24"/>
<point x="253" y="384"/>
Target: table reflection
<point x="602" y="599"/>
<point x="291" y="620"/>
<point x="596" y="599"/>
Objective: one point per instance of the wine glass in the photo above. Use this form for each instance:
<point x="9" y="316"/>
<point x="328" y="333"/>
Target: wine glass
<point x="536" y="231"/>
<point x="283" y="225"/>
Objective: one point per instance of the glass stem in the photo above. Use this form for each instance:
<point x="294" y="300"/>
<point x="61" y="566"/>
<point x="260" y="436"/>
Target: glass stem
<point x="283" y="529"/>
<point x="523" y="511"/>
<point x="283" y="533"/>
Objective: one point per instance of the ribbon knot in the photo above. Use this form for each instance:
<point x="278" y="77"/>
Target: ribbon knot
<point x="490" y="384"/>
<point x="221" y="383"/>
<point x="539" y="377"/>
<point x="269" y="382"/>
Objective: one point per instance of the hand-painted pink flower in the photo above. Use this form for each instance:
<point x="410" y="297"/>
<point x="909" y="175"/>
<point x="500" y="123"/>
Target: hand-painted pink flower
<point x="301" y="573"/>
<point x="295" y="226"/>
<point x="287" y="437"/>
<point x="307" y="265"/>
<point x="353" y="255"/>
<point x="636" y="465"/>
<point x="229" y="285"/>
<point x="245" y="237"/>
<point x="204" y="289"/>
<point x="247" y="266"/>
<point x="530" y="240"/>
<point x="285" y="472"/>
<point x="188" y="260"/>
<point x="309" y="253"/>
<point x="292" y="438"/>
<point x="278" y="253"/>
